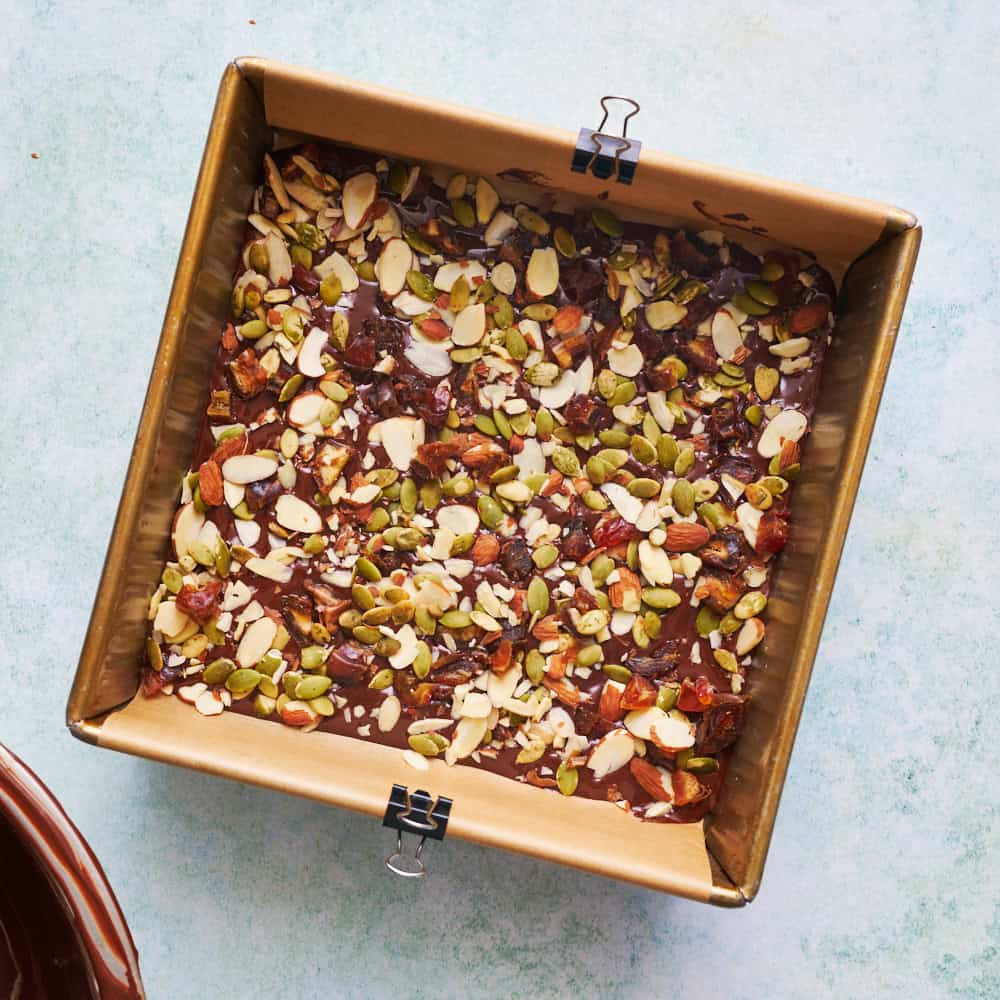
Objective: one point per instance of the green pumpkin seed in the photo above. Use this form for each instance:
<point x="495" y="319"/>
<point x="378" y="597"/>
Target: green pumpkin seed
<point x="730" y="624"/>
<point x="545" y="373"/>
<point x="726" y="660"/>
<point x="615" y="457"/>
<point x="702" y="765"/>
<point x="566" y="461"/>
<point x="172" y="580"/>
<point x="682" y="497"/>
<point x="615" y="439"/>
<point x="684" y="461"/>
<point x="490" y="512"/>
<point x="340" y="330"/>
<point x="418" y="243"/>
<point x="517" y="346"/>
<point x="538" y="596"/>
<point x="312" y="687"/>
<point x="661" y="598"/>
<point x="601" y="568"/>
<point x="621" y="260"/>
<point x="589" y="655"/>
<point x="749" y="305"/>
<point x="330" y="290"/>
<point x="424" y="621"/>
<point x="567" y="778"/>
<point x="424" y="744"/>
<point x="764" y="294"/>
<point x="462" y="544"/>
<point x="430" y="495"/>
<point x="532" y="221"/>
<point x="422" y="661"/>
<point x="607" y="222"/>
<point x="465" y="355"/>
<point x="594" y="500"/>
<point x="754" y="415"/>
<point x="772" y="271"/>
<point x="404" y="539"/>
<point x="485" y="292"/>
<point x="362" y="597"/>
<point x="242" y="681"/>
<point x="542" y="312"/>
<point x="504" y="314"/>
<point x="666" y="697"/>
<point x="503" y="424"/>
<point x="421" y="286"/>
<point x="387" y="646"/>
<point x="459" y="296"/>
<point x="706" y="621"/>
<point x="645" y="489"/>
<point x="399" y="174"/>
<point x="504" y="474"/>
<point x="313" y="657"/>
<point x="765" y="381"/>
<point x="593" y="622"/>
<point x="253" y="330"/>
<point x="642" y="449"/>
<point x="301" y="255"/>
<point x="750" y="604"/>
<point x="617" y="672"/>
<point x="259" y="258"/>
<point x="408" y="496"/>
<point x="456" y="619"/>
<point x="484" y="424"/>
<point x="263" y="706"/>
<point x="545" y="423"/>
<point x="218" y="670"/>
<point x="458" y="486"/>
<point x="534" y="666"/>
<point x="624" y="393"/>
<point x="714" y="515"/>
<point x="464" y="213"/>
<point x="367" y="634"/>
<point x="598" y="471"/>
<point x="349" y="619"/>
<point x="564" y="242"/>
<point x="379" y="519"/>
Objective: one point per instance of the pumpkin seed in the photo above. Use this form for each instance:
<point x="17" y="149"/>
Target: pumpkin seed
<point x="313" y="657"/>
<point x="666" y="697"/>
<point x="504" y="474"/>
<point x="544" y="373"/>
<point x="465" y="355"/>
<point x="706" y="621"/>
<point x="684" y="461"/>
<point x="534" y="666"/>
<point x="532" y="752"/>
<point x="749" y="305"/>
<point x="424" y="621"/>
<point x="598" y="471"/>
<point x="772" y="271"/>
<point x="566" y="461"/>
<point x="624" y="393"/>
<point x="621" y="260"/>
<point x="172" y="580"/>
<point x="567" y="778"/>
<point x="218" y="670"/>
<point x="517" y="346"/>
<point x="460" y="294"/>
<point x="340" y="330"/>
<point x="726" y="660"/>
<point x="593" y="622"/>
<point x="422" y="661"/>
<point x="754" y="414"/>
<point x="462" y="544"/>
<point x="594" y="500"/>
<point x="564" y="242"/>
<point x="349" y="619"/>
<point x="542" y="312"/>
<point x="301" y="255"/>
<point x="430" y="495"/>
<point x="607" y="222"/>
<point x="456" y="619"/>
<point x="544" y="423"/>
<point x="661" y="598"/>
<point x="642" y="449"/>
<point x="408" y="496"/>
<point x="765" y="381"/>
<point x="330" y="290"/>
<point x="458" y="486"/>
<point x="242" y="681"/>
<point x="312" y="687"/>
<point x="464" y="213"/>
<point x="418" y="243"/>
<point x="503" y="424"/>
<point x="378" y="520"/>
<point x="424" y="744"/>
<point x="404" y="539"/>
<point x="645" y="489"/>
<point x="689" y="291"/>
<point x="421" y="285"/>
<point x="682" y="497"/>
<point x="387" y="646"/>
<point x="367" y="634"/>
<point x="750" y="604"/>
<point x="362" y="597"/>
<point x="617" y="672"/>
<point x="601" y="568"/>
<point x="538" y="596"/>
<point x="484" y="424"/>
<point x="730" y="624"/>
<point x="504" y="314"/>
<point x="757" y="496"/>
<point x="490" y="512"/>
<point x="764" y="294"/>
<point x="702" y="765"/>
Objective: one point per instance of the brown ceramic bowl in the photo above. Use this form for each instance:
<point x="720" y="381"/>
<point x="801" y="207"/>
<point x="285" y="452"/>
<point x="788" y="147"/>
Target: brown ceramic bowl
<point x="62" y="933"/>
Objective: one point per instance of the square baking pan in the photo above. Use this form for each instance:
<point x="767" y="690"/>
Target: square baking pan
<point x="869" y="248"/>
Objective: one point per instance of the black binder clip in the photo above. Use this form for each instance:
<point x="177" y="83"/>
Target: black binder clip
<point x="607" y="155"/>
<point x="418" y="814"/>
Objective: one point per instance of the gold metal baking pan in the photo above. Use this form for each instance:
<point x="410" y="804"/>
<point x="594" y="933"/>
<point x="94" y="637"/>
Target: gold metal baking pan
<point x="870" y="249"/>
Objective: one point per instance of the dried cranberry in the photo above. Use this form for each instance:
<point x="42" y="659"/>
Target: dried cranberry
<point x="613" y="531"/>
<point x="700" y="354"/>
<point x="585" y="717"/>
<point x="587" y="413"/>
<point x="431" y="402"/>
<point x="576" y="542"/>
<point x="515" y="558"/>
<point x="772" y="534"/>
<point x="696" y="696"/>
<point x="200" y="603"/>
<point x="719" y="727"/>
<point x="581" y="280"/>
<point x="305" y="281"/>
<point x="386" y="333"/>
<point x="260" y="495"/>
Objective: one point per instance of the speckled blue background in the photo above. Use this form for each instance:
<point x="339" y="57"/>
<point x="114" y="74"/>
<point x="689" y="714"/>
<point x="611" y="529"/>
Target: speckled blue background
<point x="883" y="876"/>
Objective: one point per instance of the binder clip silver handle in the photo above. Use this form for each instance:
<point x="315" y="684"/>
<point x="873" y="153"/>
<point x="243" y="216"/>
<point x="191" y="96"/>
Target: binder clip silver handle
<point x="419" y="814"/>
<point x="607" y="155"/>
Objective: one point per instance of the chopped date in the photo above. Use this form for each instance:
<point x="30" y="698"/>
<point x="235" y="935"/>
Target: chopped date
<point x="200" y="603"/>
<point x="614" y="531"/>
<point x="772" y="534"/>
<point x="719" y="727"/>
<point x="515" y="558"/>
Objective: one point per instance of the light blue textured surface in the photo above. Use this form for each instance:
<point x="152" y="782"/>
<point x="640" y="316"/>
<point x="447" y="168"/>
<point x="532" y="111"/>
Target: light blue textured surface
<point x="883" y="876"/>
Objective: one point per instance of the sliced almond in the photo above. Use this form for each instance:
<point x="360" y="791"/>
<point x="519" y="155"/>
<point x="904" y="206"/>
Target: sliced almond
<point x="408" y="648"/>
<point x="277" y="185"/>
<point x="448" y="274"/>
<point x="233" y="493"/>
<point x="655" y="564"/>
<point x="389" y="713"/>
<point x="170" y="620"/>
<point x="296" y="515"/>
<point x="309" y="354"/>
<point x="788" y="425"/>
<point x="243" y="469"/>
<point x="458" y="519"/>
<point x="476" y="705"/>
<point x="359" y="196"/>
<point x="639" y="721"/>
<point x="249" y="532"/>
<point x="612" y="752"/>
<point x="270" y="569"/>
<point x="279" y="266"/>
<point x="391" y="268"/>
<point x="542" y="276"/>
<point x="627" y="361"/>
<point x="531" y="459"/>
<point x="487" y="200"/>
<point x="468" y="735"/>
<point x="500" y="227"/>
<point x="726" y="336"/>
<point x="303" y="411"/>
<point x="504" y="278"/>
<point x="750" y="636"/>
<point x="307" y="195"/>
<point x="791" y="348"/>
<point x="256" y="641"/>
<point x="429" y="359"/>
<point x="628" y="506"/>
<point x="555" y="397"/>
<point x="187" y="525"/>
<point x="470" y="325"/>
<point x="339" y="265"/>
<point x="209" y="703"/>
<point x="400" y="437"/>
<point x="675" y="732"/>
<point x="499" y="688"/>
<point x="664" y="314"/>
<point x="662" y="413"/>
<point x="416" y="761"/>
